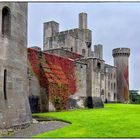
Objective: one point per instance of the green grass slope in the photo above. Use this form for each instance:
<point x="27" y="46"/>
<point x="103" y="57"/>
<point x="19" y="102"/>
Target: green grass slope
<point x="113" y="121"/>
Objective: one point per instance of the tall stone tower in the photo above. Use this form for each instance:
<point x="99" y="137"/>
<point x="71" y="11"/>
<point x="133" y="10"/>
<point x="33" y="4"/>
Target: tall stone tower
<point x="121" y="61"/>
<point x="87" y="35"/>
<point x="14" y="105"/>
<point x="83" y="21"/>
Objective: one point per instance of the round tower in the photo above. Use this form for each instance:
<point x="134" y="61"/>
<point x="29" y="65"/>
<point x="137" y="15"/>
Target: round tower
<point x="83" y="20"/>
<point x="121" y="61"/>
<point x="14" y="105"/>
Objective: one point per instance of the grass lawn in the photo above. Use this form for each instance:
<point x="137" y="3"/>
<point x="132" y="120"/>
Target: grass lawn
<point x="114" y="120"/>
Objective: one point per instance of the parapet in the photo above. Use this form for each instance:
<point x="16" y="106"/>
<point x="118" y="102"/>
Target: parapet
<point x="36" y="47"/>
<point x="51" y="23"/>
<point x="121" y="52"/>
<point x="84" y="35"/>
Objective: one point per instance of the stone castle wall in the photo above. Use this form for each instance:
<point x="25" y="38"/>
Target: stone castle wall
<point x="111" y="83"/>
<point x="14" y="105"/>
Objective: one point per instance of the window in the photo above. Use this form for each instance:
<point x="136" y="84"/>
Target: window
<point x="109" y="96"/>
<point x="4" y="84"/>
<point x="6" y="21"/>
<point x="102" y="92"/>
<point x="71" y="49"/>
<point x="114" y="76"/>
<point x="102" y="77"/>
<point x="50" y="43"/>
<point x="111" y="86"/>
<point x="108" y="84"/>
<point x="114" y="86"/>
<point x="99" y="65"/>
<point x="114" y="96"/>
<point x="83" y="52"/>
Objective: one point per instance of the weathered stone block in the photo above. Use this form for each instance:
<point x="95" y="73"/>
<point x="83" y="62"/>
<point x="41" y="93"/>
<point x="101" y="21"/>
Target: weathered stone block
<point x="51" y="107"/>
<point x="97" y="102"/>
<point x="77" y="102"/>
<point x="94" y="102"/>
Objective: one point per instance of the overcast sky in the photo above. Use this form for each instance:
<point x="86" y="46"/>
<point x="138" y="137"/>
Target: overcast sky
<point x="113" y="25"/>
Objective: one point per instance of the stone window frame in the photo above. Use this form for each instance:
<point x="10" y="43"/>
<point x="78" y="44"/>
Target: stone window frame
<point x="6" y="21"/>
<point x="83" y="52"/>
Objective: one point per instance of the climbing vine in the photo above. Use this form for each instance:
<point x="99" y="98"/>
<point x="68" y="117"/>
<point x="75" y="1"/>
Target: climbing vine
<point x="55" y="73"/>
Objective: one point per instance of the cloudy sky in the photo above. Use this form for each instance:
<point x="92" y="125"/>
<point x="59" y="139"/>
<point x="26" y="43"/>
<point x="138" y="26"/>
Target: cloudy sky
<point x="113" y="25"/>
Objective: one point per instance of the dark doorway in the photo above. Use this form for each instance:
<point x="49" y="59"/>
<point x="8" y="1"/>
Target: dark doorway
<point x="34" y="104"/>
<point x="89" y="102"/>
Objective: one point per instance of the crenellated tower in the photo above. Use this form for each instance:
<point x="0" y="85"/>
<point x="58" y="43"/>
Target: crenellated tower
<point x="121" y="61"/>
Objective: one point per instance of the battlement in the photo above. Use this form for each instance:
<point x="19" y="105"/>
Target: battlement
<point x="36" y="47"/>
<point x="71" y="32"/>
<point x="121" y="52"/>
<point x="64" y="53"/>
<point x="50" y="23"/>
<point x="76" y="33"/>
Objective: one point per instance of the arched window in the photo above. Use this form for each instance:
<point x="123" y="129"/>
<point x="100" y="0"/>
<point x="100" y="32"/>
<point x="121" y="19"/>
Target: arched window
<point x="114" y="86"/>
<point x="6" y="21"/>
<point x="109" y="96"/>
<point x="111" y="86"/>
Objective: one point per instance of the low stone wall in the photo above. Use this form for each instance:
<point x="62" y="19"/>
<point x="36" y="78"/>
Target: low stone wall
<point x="12" y="130"/>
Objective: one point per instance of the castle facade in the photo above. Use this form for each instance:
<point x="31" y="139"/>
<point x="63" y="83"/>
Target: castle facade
<point x="66" y="74"/>
<point x="74" y="76"/>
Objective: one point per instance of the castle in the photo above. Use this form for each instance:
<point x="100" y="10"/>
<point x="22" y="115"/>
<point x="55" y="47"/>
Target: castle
<point x="66" y="74"/>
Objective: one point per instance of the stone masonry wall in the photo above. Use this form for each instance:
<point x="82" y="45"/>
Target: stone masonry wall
<point x="111" y="83"/>
<point x="77" y="40"/>
<point x="14" y="104"/>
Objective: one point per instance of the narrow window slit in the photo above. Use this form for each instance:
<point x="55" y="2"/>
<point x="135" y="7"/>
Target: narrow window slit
<point x="4" y="84"/>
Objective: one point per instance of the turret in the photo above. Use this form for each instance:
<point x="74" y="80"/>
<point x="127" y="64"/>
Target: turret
<point x="121" y="61"/>
<point x="50" y="30"/>
<point x="83" y="20"/>
<point x="98" y="51"/>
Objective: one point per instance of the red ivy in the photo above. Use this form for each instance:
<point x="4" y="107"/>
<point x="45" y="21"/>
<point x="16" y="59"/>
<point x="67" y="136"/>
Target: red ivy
<point x="55" y="73"/>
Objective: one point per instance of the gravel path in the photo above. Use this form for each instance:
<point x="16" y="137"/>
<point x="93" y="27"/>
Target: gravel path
<point x="38" y="128"/>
